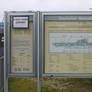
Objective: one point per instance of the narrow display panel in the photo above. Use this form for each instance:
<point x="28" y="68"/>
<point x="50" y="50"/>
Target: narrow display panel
<point x="21" y="45"/>
<point x="68" y="47"/>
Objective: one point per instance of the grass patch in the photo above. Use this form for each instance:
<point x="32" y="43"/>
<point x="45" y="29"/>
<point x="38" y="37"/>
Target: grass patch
<point x="50" y="85"/>
<point x="22" y="85"/>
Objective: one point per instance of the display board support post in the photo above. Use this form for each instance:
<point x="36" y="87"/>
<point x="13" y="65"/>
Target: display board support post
<point x="38" y="67"/>
<point x="5" y="58"/>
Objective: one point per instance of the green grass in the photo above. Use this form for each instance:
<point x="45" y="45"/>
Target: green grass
<point x="50" y="85"/>
<point x="67" y="85"/>
<point x="22" y="85"/>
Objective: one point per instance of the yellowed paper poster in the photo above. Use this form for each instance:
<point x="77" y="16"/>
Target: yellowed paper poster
<point x="68" y="47"/>
<point x="21" y="50"/>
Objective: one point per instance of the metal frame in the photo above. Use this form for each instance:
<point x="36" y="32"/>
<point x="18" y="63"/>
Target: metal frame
<point x="38" y="42"/>
<point x="38" y="53"/>
<point x="83" y="16"/>
<point x="7" y="47"/>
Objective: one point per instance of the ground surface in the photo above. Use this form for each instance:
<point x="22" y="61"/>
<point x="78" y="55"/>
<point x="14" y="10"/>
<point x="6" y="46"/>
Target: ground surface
<point x="50" y="85"/>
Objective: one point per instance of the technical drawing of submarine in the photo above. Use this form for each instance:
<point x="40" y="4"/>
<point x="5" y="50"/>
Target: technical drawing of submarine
<point x="82" y="42"/>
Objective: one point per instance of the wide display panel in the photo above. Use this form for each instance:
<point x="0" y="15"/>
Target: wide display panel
<point x="68" y="47"/>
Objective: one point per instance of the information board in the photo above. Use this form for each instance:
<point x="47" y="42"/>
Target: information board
<point x="22" y="49"/>
<point x="68" y="47"/>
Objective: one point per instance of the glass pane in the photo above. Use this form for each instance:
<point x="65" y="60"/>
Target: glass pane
<point x="68" y="47"/>
<point x="21" y="49"/>
<point x="22" y="57"/>
<point x="68" y="50"/>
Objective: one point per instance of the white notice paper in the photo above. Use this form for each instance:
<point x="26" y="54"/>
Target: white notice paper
<point x="20" y="22"/>
<point x="72" y="42"/>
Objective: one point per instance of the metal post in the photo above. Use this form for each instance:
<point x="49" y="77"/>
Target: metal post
<point x="38" y="67"/>
<point x="5" y="52"/>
